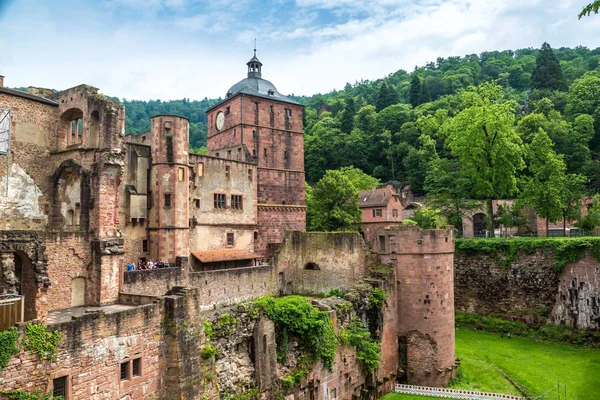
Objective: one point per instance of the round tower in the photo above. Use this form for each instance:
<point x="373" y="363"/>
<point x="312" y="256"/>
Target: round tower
<point x="423" y="262"/>
<point x="168" y="221"/>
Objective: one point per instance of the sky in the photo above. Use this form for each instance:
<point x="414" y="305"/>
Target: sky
<point x="170" y="49"/>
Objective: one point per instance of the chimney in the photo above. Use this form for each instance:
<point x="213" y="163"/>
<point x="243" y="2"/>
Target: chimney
<point x="1" y="80"/>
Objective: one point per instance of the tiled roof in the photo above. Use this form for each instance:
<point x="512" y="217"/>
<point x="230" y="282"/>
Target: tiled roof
<point x="223" y="255"/>
<point x="377" y="197"/>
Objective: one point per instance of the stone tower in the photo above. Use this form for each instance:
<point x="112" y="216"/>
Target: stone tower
<point x="257" y="124"/>
<point x="168" y="222"/>
<point x="423" y="263"/>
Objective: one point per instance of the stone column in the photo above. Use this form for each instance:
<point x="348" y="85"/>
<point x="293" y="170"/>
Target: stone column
<point x="8" y="280"/>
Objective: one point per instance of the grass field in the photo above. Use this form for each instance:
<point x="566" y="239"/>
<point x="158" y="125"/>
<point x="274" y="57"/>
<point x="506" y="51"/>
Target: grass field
<point x="534" y="366"/>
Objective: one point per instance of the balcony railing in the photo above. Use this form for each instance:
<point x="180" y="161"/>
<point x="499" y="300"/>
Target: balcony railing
<point x="11" y="310"/>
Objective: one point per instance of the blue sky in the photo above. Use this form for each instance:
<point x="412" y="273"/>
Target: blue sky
<point x="169" y="49"/>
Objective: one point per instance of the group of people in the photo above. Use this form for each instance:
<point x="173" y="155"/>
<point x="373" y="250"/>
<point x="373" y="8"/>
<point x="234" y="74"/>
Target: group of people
<point x="142" y="265"/>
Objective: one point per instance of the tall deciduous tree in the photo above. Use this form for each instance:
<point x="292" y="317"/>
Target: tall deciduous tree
<point x="590" y="8"/>
<point x="543" y="190"/>
<point x="482" y="137"/>
<point x="547" y="74"/>
<point x="335" y="204"/>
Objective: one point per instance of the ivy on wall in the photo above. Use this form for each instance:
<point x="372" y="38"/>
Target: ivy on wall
<point x="565" y="250"/>
<point x="8" y="345"/>
<point x="40" y="341"/>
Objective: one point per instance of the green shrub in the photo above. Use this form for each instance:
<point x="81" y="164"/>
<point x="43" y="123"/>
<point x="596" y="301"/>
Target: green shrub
<point x="565" y="250"/>
<point x="42" y="342"/>
<point x="367" y="349"/>
<point x="295" y="315"/>
<point x="8" y="345"/>
<point x="20" y="394"/>
<point x="209" y="330"/>
<point x="377" y="298"/>
<point x="335" y="292"/>
<point x="208" y="351"/>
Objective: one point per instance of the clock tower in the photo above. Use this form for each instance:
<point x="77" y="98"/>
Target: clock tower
<point x="258" y="125"/>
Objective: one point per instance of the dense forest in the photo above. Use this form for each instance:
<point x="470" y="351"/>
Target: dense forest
<point x="502" y="124"/>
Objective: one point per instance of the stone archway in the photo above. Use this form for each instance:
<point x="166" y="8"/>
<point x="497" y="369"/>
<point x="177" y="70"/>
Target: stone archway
<point x="23" y="267"/>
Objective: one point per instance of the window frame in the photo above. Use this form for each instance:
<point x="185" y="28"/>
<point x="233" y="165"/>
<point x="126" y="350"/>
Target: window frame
<point x="228" y="241"/>
<point x="219" y="201"/>
<point x="167" y="200"/>
<point x="237" y="202"/>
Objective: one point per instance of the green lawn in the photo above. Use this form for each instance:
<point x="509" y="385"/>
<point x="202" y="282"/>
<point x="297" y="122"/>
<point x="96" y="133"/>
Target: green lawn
<point x="533" y="365"/>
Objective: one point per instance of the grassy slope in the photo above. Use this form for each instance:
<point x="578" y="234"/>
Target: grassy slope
<point x="534" y="366"/>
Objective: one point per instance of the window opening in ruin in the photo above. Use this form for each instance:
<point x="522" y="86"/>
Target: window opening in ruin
<point x="169" y="139"/>
<point x="312" y="266"/>
<point x="255" y="107"/>
<point x="382" y="244"/>
<point x="253" y="134"/>
<point x="180" y="174"/>
<point x="377" y="213"/>
<point x="285" y="155"/>
<point x="125" y="371"/>
<point x="144" y="246"/>
<point x="255" y="235"/>
<point x="219" y="201"/>
<point x="236" y="202"/>
<point x="395" y="213"/>
<point x="333" y="394"/>
<point x="77" y="214"/>
<point x="230" y="239"/>
<point x="253" y="153"/>
<point x="229" y="154"/>
<point x="250" y="175"/>
<point x="200" y="169"/>
<point x="271" y="109"/>
<point x="167" y="200"/>
<point x="227" y="110"/>
<point x="136" y="367"/>
<point x="227" y="171"/>
<point x="59" y="387"/>
<point x="264" y="342"/>
<point x="265" y="151"/>
<point x="239" y="154"/>
<point x="197" y="203"/>
<point x="70" y="217"/>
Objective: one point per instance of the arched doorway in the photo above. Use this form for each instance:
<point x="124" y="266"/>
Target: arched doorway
<point x="77" y="292"/>
<point x="27" y="286"/>
<point x="479" y="225"/>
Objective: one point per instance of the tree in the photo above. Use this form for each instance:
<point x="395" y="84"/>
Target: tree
<point x="427" y="218"/>
<point x="511" y="216"/>
<point x="448" y="190"/>
<point x="415" y="90"/>
<point x="547" y="73"/>
<point x="347" y="119"/>
<point x="571" y="195"/>
<point x="358" y="178"/>
<point x="543" y="191"/>
<point x="590" y="8"/>
<point x="483" y="139"/>
<point x="387" y="96"/>
<point x="335" y="204"/>
<point x="590" y="221"/>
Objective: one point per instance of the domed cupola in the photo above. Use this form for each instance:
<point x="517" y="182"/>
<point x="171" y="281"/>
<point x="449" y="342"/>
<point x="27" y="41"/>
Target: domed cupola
<point x="254" y="66"/>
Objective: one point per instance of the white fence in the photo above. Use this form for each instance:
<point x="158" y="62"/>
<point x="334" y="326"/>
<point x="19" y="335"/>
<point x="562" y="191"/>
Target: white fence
<point x="452" y="393"/>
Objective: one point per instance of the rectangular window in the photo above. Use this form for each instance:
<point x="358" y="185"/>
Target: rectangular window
<point x="253" y="153"/>
<point x="227" y="111"/>
<point x="230" y="239"/>
<point x="200" y="169"/>
<point x="255" y="107"/>
<point x="125" y="371"/>
<point x="265" y="151"/>
<point x="250" y="175"/>
<point x="219" y="200"/>
<point x="382" y="244"/>
<point x="216" y="154"/>
<point x="136" y="367"/>
<point x="255" y="235"/>
<point x="253" y="134"/>
<point x="395" y="213"/>
<point x="236" y="202"/>
<point x="180" y="174"/>
<point x="167" y="200"/>
<point x="377" y="213"/>
<point x="285" y="155"/>
<point x="144" y="246"/>
<point x="59" y="387"/>
<point x="271" y="109"/>
<point x="229" y="154"/>
<point x="197" y="203"/>
<point x="227" y="172"/>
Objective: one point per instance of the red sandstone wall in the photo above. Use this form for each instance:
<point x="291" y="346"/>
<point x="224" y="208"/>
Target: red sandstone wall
<point x="90" y="354"/>
<point x="274" y="221"/>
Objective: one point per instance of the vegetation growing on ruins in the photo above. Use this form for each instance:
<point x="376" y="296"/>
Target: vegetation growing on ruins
<point x="208" y="351"/>
<point x="565" y="250"/>
<point x="377" y="298"/>
<point x="41" y="341"/>
<point x="295" y="315"/>
<point x="8" y="345"/>
<point x="549" y="333"/>
<point x="20" y="394"/>
<point x="367" y="349"/>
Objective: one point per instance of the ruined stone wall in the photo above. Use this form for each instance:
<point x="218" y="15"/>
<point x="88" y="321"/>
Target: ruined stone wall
<point x="274" y="221"/>
<point x="231" y="286"/>
<point x="316" y="262"/>
<point x="530" y="288"/>
<point x="153" y="282"/>
<point x="90" y="355"/>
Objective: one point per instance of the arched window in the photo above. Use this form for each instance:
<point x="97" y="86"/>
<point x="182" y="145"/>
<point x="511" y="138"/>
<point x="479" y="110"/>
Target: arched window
<point x="312" y="266"/>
